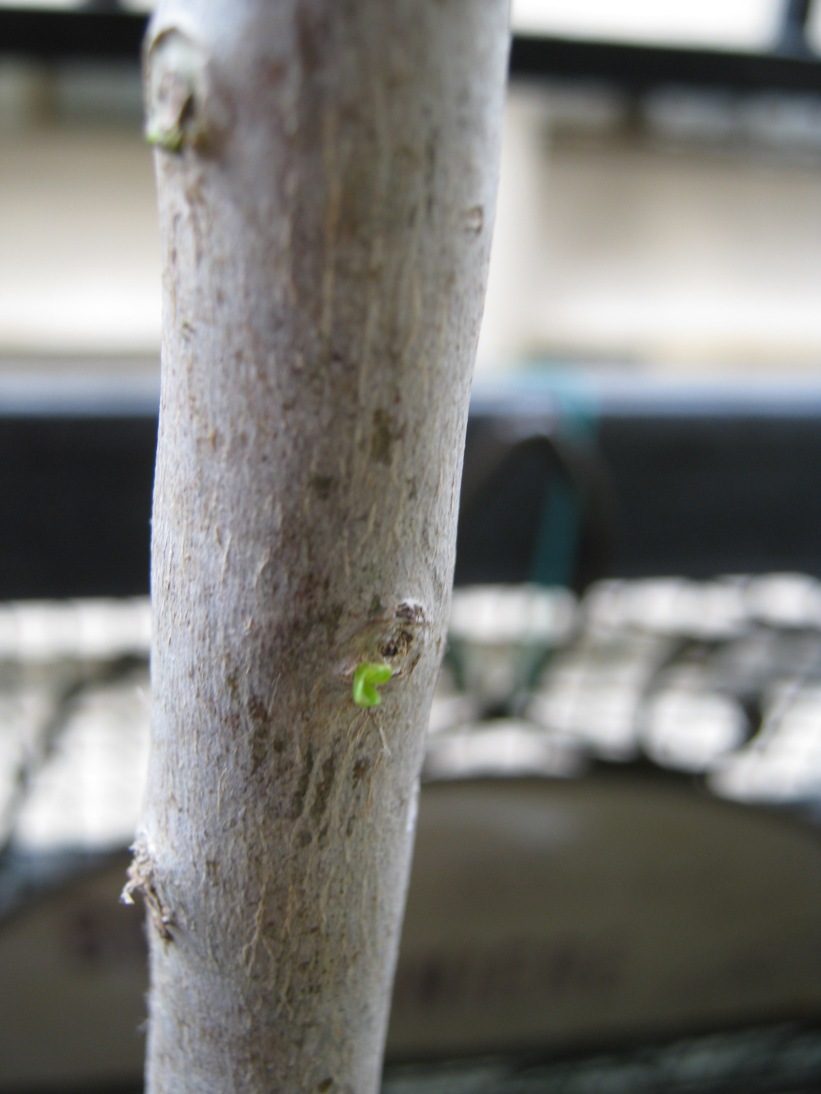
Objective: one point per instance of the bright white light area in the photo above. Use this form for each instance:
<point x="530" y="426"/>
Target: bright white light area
<point x="784" y="762"/>
<point x="735" y="24"/>
<point x="690" y="731"/>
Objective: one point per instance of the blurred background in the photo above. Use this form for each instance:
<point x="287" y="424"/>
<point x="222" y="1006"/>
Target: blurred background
<point x="659" y="208"/>
<point x="617" y="883"/>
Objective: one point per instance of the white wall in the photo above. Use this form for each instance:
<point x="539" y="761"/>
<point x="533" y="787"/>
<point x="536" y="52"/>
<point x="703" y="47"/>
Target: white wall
<point x="609" y="246"/>
<point x="614" y="245"/>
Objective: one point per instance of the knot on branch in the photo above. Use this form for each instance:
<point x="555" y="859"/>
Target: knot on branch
<point x="392" y="640"/>
<point x="400" y="642"/>
<point x="142" y="879"/>
<point x="175" y="91"/>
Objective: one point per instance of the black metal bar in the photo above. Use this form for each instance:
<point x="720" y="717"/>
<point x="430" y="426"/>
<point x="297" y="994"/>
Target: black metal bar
<point x="664" y="479"/>
<point x="638" y="68"/>
<point x="47" y="35"/>
<point x="106" y="34"/>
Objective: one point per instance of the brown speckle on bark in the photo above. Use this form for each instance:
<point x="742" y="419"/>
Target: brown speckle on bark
<point x="360" y="770"/>
<point x="322" y="486"/>
<point x="383" y="436"/>
<point x="324" y="785"/>
<point x="303" y="785"/>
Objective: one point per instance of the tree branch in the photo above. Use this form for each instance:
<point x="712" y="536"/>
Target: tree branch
<point x="326" y="173"/>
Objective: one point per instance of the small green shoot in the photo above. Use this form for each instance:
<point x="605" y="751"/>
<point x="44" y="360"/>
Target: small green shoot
<point x="367" y="678"/>
<point x="169" y="139"/>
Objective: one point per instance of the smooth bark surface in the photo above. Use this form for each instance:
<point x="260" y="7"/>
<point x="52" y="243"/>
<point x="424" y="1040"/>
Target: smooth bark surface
<point x="326" y="174"/>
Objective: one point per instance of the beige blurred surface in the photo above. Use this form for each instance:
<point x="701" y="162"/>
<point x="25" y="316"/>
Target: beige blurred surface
<point x="79" y="264"/>
<point x="685" y="236"/>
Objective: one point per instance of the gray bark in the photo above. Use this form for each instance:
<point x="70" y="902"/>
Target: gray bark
<point x="326" y="175"/>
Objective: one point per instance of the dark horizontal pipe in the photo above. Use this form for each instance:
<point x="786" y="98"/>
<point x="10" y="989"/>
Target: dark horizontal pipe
<point x="573" y="480"/>
<point x="49" y="35"/>
<point x="640" y="68"/>
<point x="116" y="35"/>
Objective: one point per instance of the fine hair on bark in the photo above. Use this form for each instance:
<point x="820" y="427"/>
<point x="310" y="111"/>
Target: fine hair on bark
<point x="326" y="172"/>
